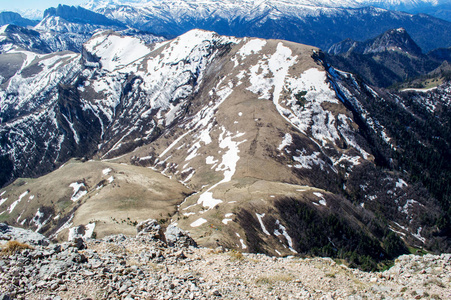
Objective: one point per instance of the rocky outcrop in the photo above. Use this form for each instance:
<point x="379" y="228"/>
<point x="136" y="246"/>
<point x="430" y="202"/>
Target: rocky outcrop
<point x="173" y="235"/>
<point x="176" y="236"/>
<point x="8" y="233"/>
<point x="149" y="227"/>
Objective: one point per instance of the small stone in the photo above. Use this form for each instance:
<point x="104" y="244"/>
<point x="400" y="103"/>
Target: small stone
<point x="79" y="243"/>
<point x="123" y="289"/>
<point x="180" y="255"/>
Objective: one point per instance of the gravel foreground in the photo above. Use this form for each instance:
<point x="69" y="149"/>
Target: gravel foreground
<point x="145" y="267"/>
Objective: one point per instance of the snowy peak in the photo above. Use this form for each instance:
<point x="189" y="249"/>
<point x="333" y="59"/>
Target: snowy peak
<point x="392" y="40"/>
<point x="68" y="27"/>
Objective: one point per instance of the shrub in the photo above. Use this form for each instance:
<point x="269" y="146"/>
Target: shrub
<point x="236" y="255"/>
<point x="12" y="247"/>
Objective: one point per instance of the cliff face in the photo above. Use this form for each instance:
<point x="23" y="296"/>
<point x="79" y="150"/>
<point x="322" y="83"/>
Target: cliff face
<point x="80" y="15"/>
<point x="8" y="17"/>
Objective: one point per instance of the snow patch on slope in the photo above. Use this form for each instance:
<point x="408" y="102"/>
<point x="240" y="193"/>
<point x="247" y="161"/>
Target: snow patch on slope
<point x="260" y="220"/>
<point x="79" y="191"/>
<point x="253" y="46"/>
<point x="116" y="51"/>
<point x="198" y="222"/>
<point x="287" y="140"/>
<point x="14" y="204"/>
<point x="283" y="231"/>
<point x="307" y="161"/>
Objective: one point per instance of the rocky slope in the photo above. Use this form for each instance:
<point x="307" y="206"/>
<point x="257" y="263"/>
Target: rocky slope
<point x="165" y="266"/>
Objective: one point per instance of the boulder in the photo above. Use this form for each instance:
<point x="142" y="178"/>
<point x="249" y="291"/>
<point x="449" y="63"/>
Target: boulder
<point x="149" y="227"/>
<point x="79" y="243"/>
<point x="178" y="237"/>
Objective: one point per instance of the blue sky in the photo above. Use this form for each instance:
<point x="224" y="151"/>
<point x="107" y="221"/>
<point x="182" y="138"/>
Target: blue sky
<point x="34" y="4"/>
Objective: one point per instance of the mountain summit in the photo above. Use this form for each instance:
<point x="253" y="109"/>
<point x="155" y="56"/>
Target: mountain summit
<point x="392" y="40"/>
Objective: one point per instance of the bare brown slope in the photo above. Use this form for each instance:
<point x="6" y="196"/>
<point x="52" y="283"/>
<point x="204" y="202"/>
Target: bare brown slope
<point x="113" y="196"/>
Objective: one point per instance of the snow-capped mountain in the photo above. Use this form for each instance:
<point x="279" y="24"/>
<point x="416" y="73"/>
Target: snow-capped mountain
<point x="318" y="23"/>
<point x="63" y="28"/>
<point x="392" y="40"/>
<point x="275" y="144"/>
<point x="31" y="14"/>
<point x="389" y="4"/>
<point x="403" y="4"/>
<point x="77" y="15"/>
<point x="14" y="37"/>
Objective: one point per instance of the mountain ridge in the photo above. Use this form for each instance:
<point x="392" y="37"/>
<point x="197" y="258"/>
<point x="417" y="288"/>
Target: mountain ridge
<point x="8" y="17"/>
<point x="325" y="3"/>
<point x="80" y="15"/>
<point x="216" y="113"/>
